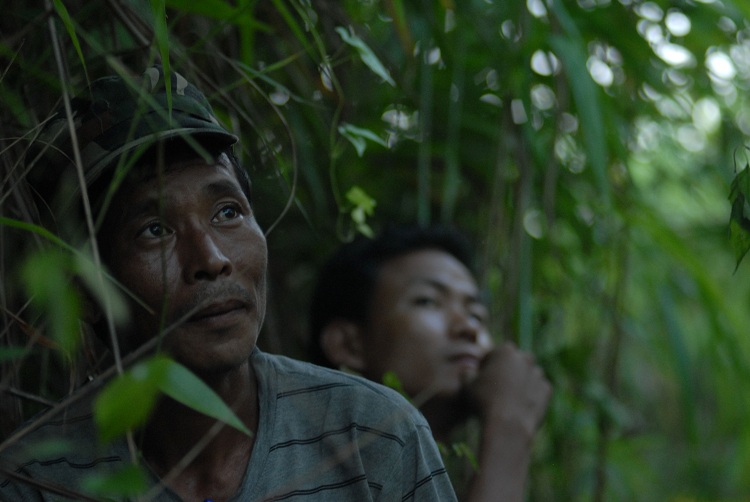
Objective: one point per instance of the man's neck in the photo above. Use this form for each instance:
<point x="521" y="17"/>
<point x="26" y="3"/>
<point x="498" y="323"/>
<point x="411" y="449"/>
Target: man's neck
<point x="195" y="455"/>
<point x="445" y="415"/>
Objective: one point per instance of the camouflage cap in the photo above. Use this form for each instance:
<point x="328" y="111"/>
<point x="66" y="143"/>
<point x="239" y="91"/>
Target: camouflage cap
<point x="120" y="115"/>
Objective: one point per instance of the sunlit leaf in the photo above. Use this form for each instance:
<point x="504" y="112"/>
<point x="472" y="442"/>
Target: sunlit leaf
<point x="363" y="206"/>
<point x="366" y="54"/>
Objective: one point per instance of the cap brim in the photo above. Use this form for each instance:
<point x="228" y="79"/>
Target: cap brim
<point x="205" y="136"/>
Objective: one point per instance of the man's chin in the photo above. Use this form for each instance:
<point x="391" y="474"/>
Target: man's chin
<point x="467" y="376"/>
<point x="212" y="365"/>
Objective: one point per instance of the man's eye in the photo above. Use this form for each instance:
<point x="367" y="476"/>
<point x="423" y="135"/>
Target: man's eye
<point x="480" y="315"/>
<point x="425" y="301"/>
<point x="229" y="212"/>
<point x="155" y="230"/>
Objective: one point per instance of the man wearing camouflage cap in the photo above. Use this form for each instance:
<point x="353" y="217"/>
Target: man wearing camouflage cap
<point x="180" y="234"/>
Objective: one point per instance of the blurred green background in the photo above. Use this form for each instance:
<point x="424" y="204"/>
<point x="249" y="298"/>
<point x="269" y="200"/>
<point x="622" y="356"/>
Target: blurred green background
<point x="587" y="148"/>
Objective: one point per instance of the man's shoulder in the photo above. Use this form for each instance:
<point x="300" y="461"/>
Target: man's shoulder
<point x="343" y="391"/>
<point x="73" y="422"/>
<point x="58" y="447"/>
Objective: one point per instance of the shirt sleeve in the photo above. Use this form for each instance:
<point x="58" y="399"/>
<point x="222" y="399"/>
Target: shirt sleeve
<point x="419" y="475"/>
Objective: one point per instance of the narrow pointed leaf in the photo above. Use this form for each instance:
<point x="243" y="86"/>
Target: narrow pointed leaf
<point x="366" y="54"/>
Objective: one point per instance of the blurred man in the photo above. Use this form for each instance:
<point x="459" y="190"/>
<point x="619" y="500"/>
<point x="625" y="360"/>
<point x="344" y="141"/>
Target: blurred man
<point x="407" y="302"/>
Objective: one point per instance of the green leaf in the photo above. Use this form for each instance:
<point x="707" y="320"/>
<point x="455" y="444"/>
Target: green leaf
<point x="571" y="49"/>
<point x="41" y="231"/>
<point x="739" y="230"/>
<point x="71" y="29"/>
<point x="366" y="54"/>
<point x="161" y="34"/>
<point x="357" y="136"/>
<point x="391" y="380"/>
<point x="10" y="353"/>
<point x="292" y="24"/>
<point x="739" y="225"/>
<point x="183" y="386"/>
<point x="102" y="289"/>
<point x="740" y="184"/>
<point x="463" y="450"/>
<point x="47" y="277"/>
<point x="214" y="9"/>
<point x="359" y="198"/>
<point x="128" y="481"/>
<point x="364" y="206"/>
<point x="126" y="402"/>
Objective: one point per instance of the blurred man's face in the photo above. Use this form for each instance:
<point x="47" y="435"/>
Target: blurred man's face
<point x="188" y="246"/>
<point x="427" y="324"/>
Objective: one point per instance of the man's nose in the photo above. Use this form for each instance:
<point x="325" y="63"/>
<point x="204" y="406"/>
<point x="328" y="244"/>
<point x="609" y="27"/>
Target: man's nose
<point x="204" y="258"/>
<point x="464" y="324"/>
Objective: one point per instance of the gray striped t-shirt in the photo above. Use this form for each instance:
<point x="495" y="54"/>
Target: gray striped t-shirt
<point x="322" y="436"/>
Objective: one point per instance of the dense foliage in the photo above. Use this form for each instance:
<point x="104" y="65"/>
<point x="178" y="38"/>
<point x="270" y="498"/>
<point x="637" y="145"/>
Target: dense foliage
<point x="586" y="147"/>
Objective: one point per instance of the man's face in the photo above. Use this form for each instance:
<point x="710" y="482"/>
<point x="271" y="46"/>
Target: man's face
<point x="188" y="246"/>
<point x="427" y="324"/>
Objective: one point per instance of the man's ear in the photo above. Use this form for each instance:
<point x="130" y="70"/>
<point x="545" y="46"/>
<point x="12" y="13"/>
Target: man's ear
<point x="341" y="341"/>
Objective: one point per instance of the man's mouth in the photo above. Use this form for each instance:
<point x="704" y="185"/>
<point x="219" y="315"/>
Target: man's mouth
<point x="466" y="359"/>
<point x="219" y="309"/>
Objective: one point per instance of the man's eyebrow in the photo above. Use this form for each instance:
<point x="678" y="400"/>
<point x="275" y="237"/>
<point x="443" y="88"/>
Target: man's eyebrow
<point x="429" y="281"/>
<point x="152" y="204"/>
<point x="443" y="287"/>
<point x="222" y="188"/>
<point x="147" y="206"/>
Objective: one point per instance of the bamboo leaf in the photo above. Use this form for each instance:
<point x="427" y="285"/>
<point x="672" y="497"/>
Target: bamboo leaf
<point x="41" y="231"/>
<point x="183" y="386"/>
<point x="293" y="25"/>
<point x="161" y="34"/>
<point x="357" y="136"/>
<point x="127" y="401"/>
<point x="366" y="54"/>
<point x="62" y="11"/>
<point x="739" y="224"/>
<point x="570" y="49"/>
<point x="47" y="277"/>
<point x="739" y="230"/>
<point x="213" y="9"/>
<point x="103" y="290"/>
